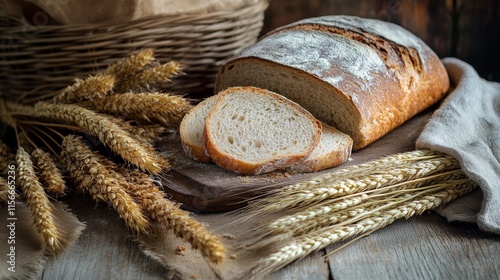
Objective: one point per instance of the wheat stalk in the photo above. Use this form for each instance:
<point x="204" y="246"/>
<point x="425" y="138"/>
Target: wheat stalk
<point x="150" y="78"/>
<point x="109" y="133"/>
<point x="38" y="202"/>
<point x="48" y="172"/>
<point x="168" y="214"/>
<point x="417" y="203"/>
<point x="329" y="186"/>
<point x="334" y="210"/>
<point x="161" y="108"/>
<point x="92" y="176"/>
<point x="87" y="89"/>
<point x="127" y="66"/>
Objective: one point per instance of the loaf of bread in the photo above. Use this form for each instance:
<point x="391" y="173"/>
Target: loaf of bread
<point x="252" y="131"/>
<point x="362" y="76"/>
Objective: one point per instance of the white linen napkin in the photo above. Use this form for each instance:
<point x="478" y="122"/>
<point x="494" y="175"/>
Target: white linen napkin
<point x="467" y="127"/>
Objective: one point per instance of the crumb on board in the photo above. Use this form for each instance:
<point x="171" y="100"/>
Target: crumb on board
<point x="180" y="250"/>
<point x="233" y="256"/>
<point x="228" y="236"/>
<point x="194" y="276"/>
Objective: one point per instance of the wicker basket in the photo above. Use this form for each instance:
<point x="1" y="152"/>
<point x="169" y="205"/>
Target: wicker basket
<point x="43" y="59"/>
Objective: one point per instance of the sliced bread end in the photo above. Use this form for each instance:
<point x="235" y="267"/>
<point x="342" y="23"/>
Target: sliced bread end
<point x="333" y="149"/>
<point x="191" y="130"/>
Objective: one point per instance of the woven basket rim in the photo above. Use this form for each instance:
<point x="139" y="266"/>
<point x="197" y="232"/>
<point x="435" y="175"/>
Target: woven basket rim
<point x="161" y="19"/>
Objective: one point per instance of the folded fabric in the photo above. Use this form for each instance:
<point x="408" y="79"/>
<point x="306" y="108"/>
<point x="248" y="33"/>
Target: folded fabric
<point x="467" y="127"/>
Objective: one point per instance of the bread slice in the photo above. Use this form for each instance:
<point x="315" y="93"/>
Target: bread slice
<point x="251" y="130"/>
<point x="334" y="148"/>
<point x="191" y="130"/>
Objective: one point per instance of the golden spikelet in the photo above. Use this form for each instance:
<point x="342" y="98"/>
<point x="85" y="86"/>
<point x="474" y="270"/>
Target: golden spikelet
<point x="49" y="174"/>
<point x="109" y="133"/>
<point x="172" y="217"/>
<point x="92" y="176"/>
<point x="130" y="65"/>
<point x="87" y="89"/>
<point x="151" y="78"/>
<point x="161" y="108"/>
<point x="38" y="203"/>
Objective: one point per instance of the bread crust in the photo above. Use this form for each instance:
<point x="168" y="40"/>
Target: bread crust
<point x="232" y="163"/>
<point x="398" y="75"/>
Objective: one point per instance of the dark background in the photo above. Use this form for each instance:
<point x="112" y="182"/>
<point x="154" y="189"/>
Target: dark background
<point x="466" y="29"/>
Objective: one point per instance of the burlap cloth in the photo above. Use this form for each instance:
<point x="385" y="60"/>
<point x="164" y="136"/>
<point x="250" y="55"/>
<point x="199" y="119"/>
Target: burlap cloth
<point x="29" y="255"/>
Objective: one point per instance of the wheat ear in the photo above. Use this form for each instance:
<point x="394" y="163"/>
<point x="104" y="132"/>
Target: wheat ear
<point x="4" y="190"/>
<point x="91" y="176"/>
<point x="108" y="132"/>
<point x="161" y="108"/>
<point x="38" y="202"/>
<point x="150" y="78"/>
<point x="130" y="65"/>
<point x="50" y="175"/>
<point x="172" y="217"/>
<point x="329" y="186"/>
<point x="87" y="89"/>
<point x="314" y="241"/>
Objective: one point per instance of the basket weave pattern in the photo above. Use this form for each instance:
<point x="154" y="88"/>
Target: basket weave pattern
<point x="43" y="59"/>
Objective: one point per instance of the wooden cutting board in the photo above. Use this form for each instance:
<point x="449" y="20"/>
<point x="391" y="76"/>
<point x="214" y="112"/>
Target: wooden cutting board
<point x="206" y="187"/>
